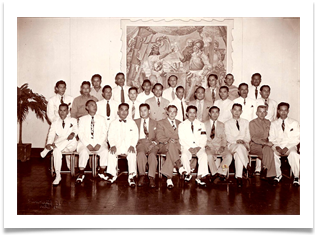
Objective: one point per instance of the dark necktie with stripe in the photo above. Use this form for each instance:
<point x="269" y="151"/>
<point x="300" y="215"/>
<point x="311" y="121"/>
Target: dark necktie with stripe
<point x="108" y="109"/>
<point x="283" y="126"/>
<point x="158" y="102"/>
<point x="62" y="100"/>
<point x="266" y="103"/>
<point x="213" y="95"/>
<point x="212" y="133"/>
<point x="183" y="113"/>
<point x="63" y="124"/>
<point x="133" y="110"/>
<point x="145" y="129"/>
<point x="173" y="125"/>
<point x="92" y="127"/>
<point x="192" y="127"/>
<point x="122" y="95"/>
<point x="256" y="92"/>
<point x="237" y="124"/>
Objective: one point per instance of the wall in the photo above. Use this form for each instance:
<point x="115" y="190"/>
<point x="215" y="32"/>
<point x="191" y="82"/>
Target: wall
<point x="72" y="49"/>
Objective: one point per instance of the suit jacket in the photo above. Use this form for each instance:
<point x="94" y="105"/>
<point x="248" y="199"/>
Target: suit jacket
<point x="208" y="95"/>
<point x="189" y="139"/>
<point x="165" y="131"/>
<point x="102" y="109"/>
<point x="57" y="130"/>
<point x="157" y="113"/>
<point x="152" y="128"/>
<point x="207" y="105"/>
<point x="53" y="106"/>
<point x="220" y="135"/>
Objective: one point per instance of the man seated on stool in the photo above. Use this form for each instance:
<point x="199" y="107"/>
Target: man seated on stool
<point x="147" y="145"/>
<point x="192" y="137"/>
<point x="284" y="134"/>
<point x="92" y="139"/>
<point x="167" y="137"/>
<point x="238" y="137"/>
<point x="260" y="144"/>
<point x="123" y="136"/>
<point x="217" y="146"/>
<point x="65" y="128"/>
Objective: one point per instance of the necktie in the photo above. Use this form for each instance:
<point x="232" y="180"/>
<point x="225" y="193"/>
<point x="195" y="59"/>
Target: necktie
<point x="192" y="127"/>
<point x="213" y="95"/>
<point x="92" y="127"/>
<point x="62" y="101"/>
<point x="244" y="102"/>
<point x="212" y="133"/>
<point x="124" y="121"/>
<point x="133" y="110"/>
<point x="237" y="124"/>
<point x="199" y="113"/>
<point x="283" y="126"/>
<point x="108" y="109"/>
<point x="158" y="102"/>
<point x="145" y="129"/>
<point x="122" y="95"/>
<point x="266" y="103"/>
<point x="173" y="94"/>
<point x="256" y="92"/>
<point x="183" y="113"/>
<point x="174" y="127"/>
<point x="63" y="124"/>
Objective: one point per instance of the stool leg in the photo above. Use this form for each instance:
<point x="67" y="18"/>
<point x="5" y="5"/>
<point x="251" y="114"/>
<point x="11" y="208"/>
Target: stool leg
<point x="93" y="165"/>
<point x="52" y="165"/>
<point x="72" y="165"/>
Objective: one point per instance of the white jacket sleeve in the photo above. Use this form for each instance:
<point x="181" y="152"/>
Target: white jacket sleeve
<point x="51" y="133"/>
<point x="81" y="132"/>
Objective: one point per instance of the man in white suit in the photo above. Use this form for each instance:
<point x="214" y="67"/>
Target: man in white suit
<point x="192" y="137"/>
<point x="224" y="104"/>
<point x="92" y="139"/>
<point x="120" y="92"/>
<point x="248" y="104"/>
<point x="123" y="136"/>
<point x="61" y="138"/>
<point x="170" y="92"/>
<point x="284" y="134"/>
<point x="254" y="89"/>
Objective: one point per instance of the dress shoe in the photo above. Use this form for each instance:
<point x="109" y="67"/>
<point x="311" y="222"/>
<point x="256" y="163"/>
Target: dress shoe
<point x="80" y="178"/>
<point x="239" y="182"/>
<point x="103" y="176"/>
<point x="111" y="179"/>
<point x="152" y="182"/>
<point x="188" y="178"/>
<point x="201" y="182"/>
<point x="263" y="174"/>
<point x="213" y="177"/>
<point x="141" y="181"/>
<point x="182" y="173"/>
<point x="131" y="182"/>
<point x="257" y="173"/>
<point x="44" y="153"/>
<point x="278" y="178"/>
<point x="296" y="182"/>
<point x="57" y="180"/>
<point x="170" y="184"/>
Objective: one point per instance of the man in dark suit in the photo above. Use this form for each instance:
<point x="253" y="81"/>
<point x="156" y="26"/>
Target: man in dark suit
<point x="167" y="137"/>
<point x="147" y="145"/>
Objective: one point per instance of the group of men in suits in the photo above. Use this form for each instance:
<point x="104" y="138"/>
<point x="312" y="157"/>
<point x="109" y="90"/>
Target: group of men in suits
<point x="140" y="126"/>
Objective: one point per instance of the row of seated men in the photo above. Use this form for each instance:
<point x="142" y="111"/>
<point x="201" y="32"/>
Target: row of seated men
<point x="199" y="128"/>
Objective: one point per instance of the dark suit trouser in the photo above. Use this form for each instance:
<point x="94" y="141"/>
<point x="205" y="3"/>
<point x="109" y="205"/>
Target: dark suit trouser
<point x="172" y="151"/>
<point x="142" y="151"/>
<point x="266" y="155"/>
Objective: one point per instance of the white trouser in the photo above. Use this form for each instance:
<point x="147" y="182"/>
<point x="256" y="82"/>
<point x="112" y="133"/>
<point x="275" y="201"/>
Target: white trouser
<point x="202" y="161"/>
<point x="84" y="155"/>
<point x="113" y="161"/>
<point x="63" y="146"/>
<point x="221" y="168"/>
<point x="240" y="155"/>
<point x="293" y="160"/>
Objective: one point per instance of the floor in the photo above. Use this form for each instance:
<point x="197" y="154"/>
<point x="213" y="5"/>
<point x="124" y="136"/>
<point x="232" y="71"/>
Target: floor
<point x="37" y="196"/>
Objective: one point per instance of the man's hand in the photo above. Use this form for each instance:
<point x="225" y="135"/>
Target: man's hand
<point x="192" y="151"/>
<point x="90" y="148"/>
<point x="221" y="149"/>
<point x="131" y="149"/>
<point x="270" y="144"/>
<point x="48" y="146"/>
<point x="113" y="150"/>
<point x="284" y="150"/>
<point x="71" y="136"/>
<point x="240" y="142"/>
<point x="197" y="149"/>
<point x="97" y="147"/>
<point x="279" y="150"/>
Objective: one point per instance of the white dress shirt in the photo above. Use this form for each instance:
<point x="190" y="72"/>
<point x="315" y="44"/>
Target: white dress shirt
<point x="116" y="93"/>
<point x="136" y="106"/>
<point x="53" y="106"/>
<point x="167" y="93"/>
<point x="287" y="138"/>
<point x="102" y="110"/>
<point x="188" y="139"/>
<point x="142" y="97"/>
<point x="97" y="94"/>
<point x="248" y="109"/>
<point x="272" y="109"/>
<point x="233" y="134"/>
<point x="225" y="107"/>
<point x="178" y="103"/>
<point x="58" y="133"/>
<point x="142" y="134"/>
<point x="251" y="93"/>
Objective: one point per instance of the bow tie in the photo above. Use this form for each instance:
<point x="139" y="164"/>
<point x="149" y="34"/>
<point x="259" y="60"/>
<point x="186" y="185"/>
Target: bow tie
<point x="123" y="121"/>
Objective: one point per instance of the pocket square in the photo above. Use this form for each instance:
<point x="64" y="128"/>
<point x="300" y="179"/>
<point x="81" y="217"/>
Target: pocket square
<point x="251" y="106"/>
<point x="292" y="129"/>
<point x="71" y="125"/>
<point x="199" y="129"/>
<point x="130" y="129"/>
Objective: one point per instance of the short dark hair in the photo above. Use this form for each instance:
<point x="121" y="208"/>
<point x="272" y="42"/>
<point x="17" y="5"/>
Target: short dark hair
<point x="236" y="105"/>
<point x="243" y="84"/>
<point x="213" y="75"/>
<point x="283" y="104"/>
<point x="133" y="88"/>
<point x="213" y="107"/>
<point x="261" y="107"/>
<point x="144" y="105"/>
<point x="105" y="87"/>
<point x="63" y="105"/>
<point x="224" y="87"/>
<point x="171" y="106"/>
<point x="85" y="83"/>
<point x="88" y="101"/>
<point x="157" y="84"/>
<point x="123" y="104"/>
<point x="256" y="74"/>
<point x="200" y="87"/>
<point x="120" y="73"/>
<point x="229" y="74"/>
<point x="180" y="87"/>
<point x="96" y="76"/>
<point x="146" y="81"/>
<point x="191" y="107"/>
<point x="168" y="80"/>
<point x="264" y="87"/>
<point x="60" y="82"/>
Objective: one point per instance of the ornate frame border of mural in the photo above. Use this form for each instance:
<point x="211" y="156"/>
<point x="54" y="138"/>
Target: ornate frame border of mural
<point x="156" y="49"/>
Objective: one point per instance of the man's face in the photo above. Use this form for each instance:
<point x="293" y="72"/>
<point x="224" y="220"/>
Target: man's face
<point x="85" y="89"/>
<point x="120" y="80"/>
<point x="256" y="80"/>
<point x="236" y="112"/>
<point x="214" y="114"/>
<point x="191" y="114"/>
<point x="158" y="91"/>
<point x="212" y="81"/>
<point x="155" y="50"/>
<point x="146" y="87"/>
<point x="200" y="94"/>
<point x="123" y="112"/>
<point x="283" y="112"/>
<point x="223" y="93"/>
<point x="229" y="80"/>
<point x="61" y="89"/>
<point x="244" y="91"/>
<point x="171" y="113"/>
<point x="107" y="93"/>
<point x="144" y="112"/>
<point x="132" y="95"/>
<point x="265" y="93"/>
<point x="96" y="82"/>
<point x="180" y="93"/>
<point x="63" y="112"/>
<point x="172" y="81"/>
<point x="261" y="113"/>
<point x="91" y="107"/>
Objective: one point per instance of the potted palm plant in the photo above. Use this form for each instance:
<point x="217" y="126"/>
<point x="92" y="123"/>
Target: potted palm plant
<point x="27" y="100"/>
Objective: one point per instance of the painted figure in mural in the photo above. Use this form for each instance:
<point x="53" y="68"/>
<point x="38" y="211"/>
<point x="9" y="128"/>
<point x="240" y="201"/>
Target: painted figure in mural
<point x="186" y="54"/>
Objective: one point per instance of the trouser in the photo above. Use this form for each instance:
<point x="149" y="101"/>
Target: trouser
<point x="265" y="153"/>
<point x="240" y="155"/>
<point x="223" y="168"/>
<point x="202" y="161"/>
<point x="84" y="155"/>
<point x="293" y="160"/>
<point x="63" y="146"/>
<point x="142" y="149"/>
<point x="113" y="162"/>
<point x="172" y="151"/>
